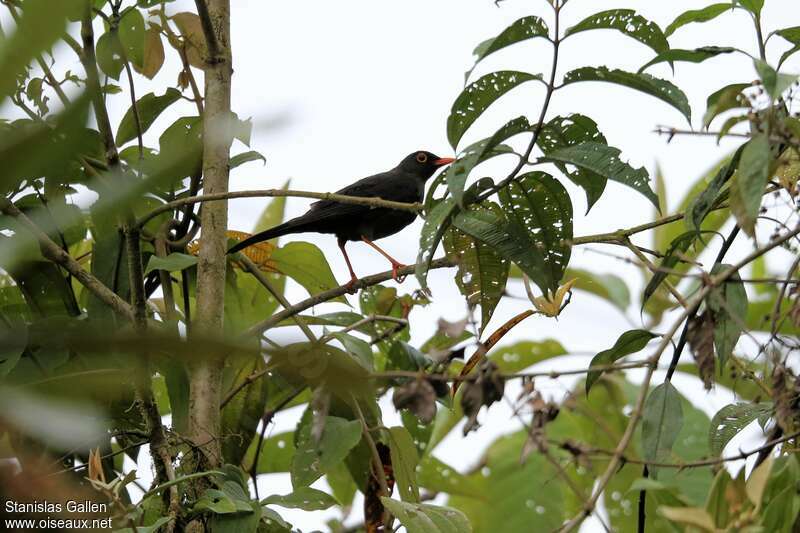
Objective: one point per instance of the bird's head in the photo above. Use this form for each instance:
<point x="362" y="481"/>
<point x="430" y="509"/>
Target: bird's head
<point x="424" y="164"/>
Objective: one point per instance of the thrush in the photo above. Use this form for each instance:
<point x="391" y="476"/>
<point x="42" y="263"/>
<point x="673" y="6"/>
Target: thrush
<point x="351" y="222"/>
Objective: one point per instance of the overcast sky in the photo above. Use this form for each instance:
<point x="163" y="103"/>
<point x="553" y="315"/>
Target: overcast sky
<point x="341" y="90"/>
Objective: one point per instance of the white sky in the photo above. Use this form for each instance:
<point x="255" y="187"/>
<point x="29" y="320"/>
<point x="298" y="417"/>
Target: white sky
<point x="342" y="90"/>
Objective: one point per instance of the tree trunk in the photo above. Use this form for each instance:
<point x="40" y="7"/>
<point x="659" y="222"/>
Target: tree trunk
<point x="205" y="373"/>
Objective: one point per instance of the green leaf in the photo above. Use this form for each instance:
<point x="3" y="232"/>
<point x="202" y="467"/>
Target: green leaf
<point x="677" y="247"/>
<point x="426" y="518"/>
<point x="241" y="415"/>
<point x="41" y="24"/>
<point x="132" y="34"/>
<point x="703" y="203"/>
<point x="732" y="419"/>
<point x="482" y="272"/>
<point x="748" y="183"/>
<point x="697" y="15"/>
<point x="610" y="287"/>
<point x="306" y="264"/>
<point x="478" y="96"/>
<point x="662" y="421"/>
<point x="109" y="55"/>
<point x="698" y="55"/>
<point x="246" y="157"/>
<point x="153" y="54"/>
<point x="171" y="263"/>
<point x="520" y="30"/>
<point x="436" y="476"/>
<point x="152" y="528"/>
<point x="538" y="203"/>
<point x="753" y="6"/>
<point x="184" y="137"/>
<point x="574" y="129"/>
<point x="276" y="454"/>
<point x="149" y="107"/>
<point x="312" y="460"/>
<point x="729" y="305"/>
<point x="781" y="512"/>
<point x="304" y="498"/>
<point x="604" y="160"/>
<point x="404" y="463"/>
<point x="519" y="356"/>
<point x="723" y="100"/>
<point x="436" y="223"/>
<point x="774" y="82"/>
<point x="218" y="502"/>
<point x="476" y="153"/>
<point x="661" y="89"/>
<point x="627" y="22"/>
<point x="273" y="214"/>
<point x="629" y="342"/>
<point x="717" y="506"/>
<point x="508" y="238"/>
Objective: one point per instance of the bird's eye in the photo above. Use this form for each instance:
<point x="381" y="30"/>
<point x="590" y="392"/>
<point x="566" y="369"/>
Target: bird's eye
<point x="422" y="157"/>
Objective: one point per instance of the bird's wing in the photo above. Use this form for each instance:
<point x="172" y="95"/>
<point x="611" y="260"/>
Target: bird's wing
<point x="387" y="185"/>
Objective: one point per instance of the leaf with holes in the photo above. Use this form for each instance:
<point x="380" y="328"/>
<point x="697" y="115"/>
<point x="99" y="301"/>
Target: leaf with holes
<point x="574" y="129"/>
<point x="662" y="421"/>
<point x="627" y="22"/>
<point x="749" y="182"/>
<point x="629" y="342"/>
<point x="540" y="204"/>
<point x="404" y="463"/>
<point x="478" y="96"/>
<point x="520" y="30"/>
<point x="604" y="161"/>
<point x="728" y="303"/>
<point x="482" y="272"/>
<point x="426" y="518"/>
<point x="732" y="419"/>
<point x="149" y="108"/>
<point x="479" y="152"/>
<point x="698" y="15"/>
<point x="661" y="89"/>
<point x="507" y="237"/>
<point x="698" y="55"/>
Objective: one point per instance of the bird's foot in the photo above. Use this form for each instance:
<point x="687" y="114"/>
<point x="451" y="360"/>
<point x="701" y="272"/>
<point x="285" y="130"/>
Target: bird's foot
<point x="350" y="286"/>
<point x="395" y="274"/>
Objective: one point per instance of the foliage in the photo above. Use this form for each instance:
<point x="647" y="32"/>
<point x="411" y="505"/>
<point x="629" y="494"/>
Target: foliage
<point x="99" y="305"/>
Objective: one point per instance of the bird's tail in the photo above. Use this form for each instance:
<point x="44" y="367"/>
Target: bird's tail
<point x="292" y="226"/>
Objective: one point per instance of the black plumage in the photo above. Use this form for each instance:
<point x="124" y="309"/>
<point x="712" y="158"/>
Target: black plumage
<point x="351" y="222"/>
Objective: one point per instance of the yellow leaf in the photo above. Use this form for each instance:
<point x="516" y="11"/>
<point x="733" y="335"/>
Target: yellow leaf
<point x="757" y="481"/>
<point x="192" y="31"/>
<point x="551" y="305"/>
<point x="693" y="516"/>
<point x="259" y="253"/>
<point x="153" y="54"/>
<point x="96" y="466"/>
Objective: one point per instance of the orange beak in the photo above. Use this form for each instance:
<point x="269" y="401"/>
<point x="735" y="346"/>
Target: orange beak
<point x="443" y="161"/>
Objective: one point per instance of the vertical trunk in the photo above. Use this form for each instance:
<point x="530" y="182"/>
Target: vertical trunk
<point x="206" y="373"/>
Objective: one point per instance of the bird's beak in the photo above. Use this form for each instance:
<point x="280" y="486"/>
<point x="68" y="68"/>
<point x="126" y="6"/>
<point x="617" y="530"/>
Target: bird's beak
<point x="443" y="161"/>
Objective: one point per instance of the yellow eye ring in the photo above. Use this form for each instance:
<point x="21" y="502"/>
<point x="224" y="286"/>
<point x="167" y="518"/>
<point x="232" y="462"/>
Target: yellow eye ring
<point x="422" y="157"/>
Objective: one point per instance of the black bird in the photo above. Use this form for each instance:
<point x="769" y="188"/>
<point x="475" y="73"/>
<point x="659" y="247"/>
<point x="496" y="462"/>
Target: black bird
<point x="351" y="222"/>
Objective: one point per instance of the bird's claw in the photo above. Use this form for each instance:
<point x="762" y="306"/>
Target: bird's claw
<point x="350" y="286"/>
<point x="395" y="274"/>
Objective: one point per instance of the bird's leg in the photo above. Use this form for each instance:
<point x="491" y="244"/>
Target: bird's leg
<point x="396" y="265"/>
<point x="350" y="284"/>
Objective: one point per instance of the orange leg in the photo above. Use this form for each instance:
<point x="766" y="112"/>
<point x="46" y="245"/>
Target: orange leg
<point x="353" y="277"/>
<point x="396" y="265"/>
